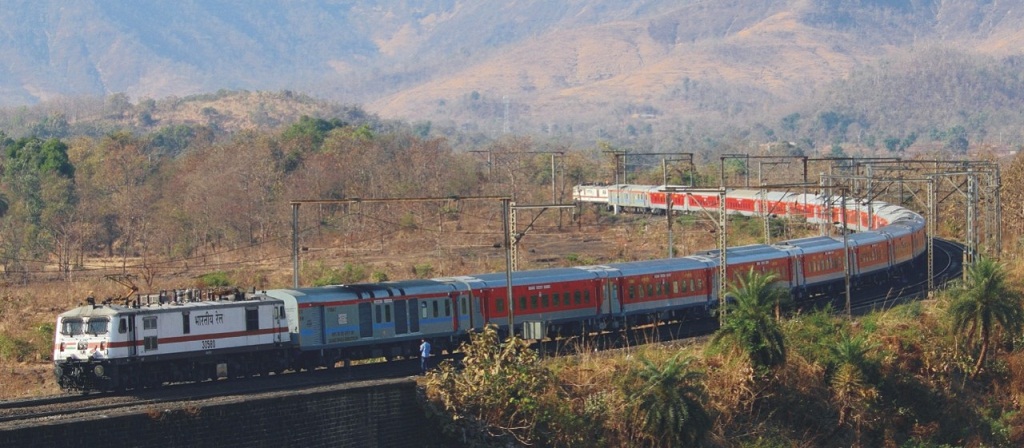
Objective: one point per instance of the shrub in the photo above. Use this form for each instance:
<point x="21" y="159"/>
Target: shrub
<point x="423" y="270"/>
<point x="324" y="275"/>
<point x="14" y="349"/>
<point x="214" y="279"/>
<point x="497" y="395"/>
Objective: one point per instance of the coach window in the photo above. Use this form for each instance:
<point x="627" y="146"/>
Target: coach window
<point x="499" y="305"/>
<point x="379" y="313"/>
<point x="186" y="326"/>
<point x="632" y="292"/>
<point x="650" y="290"/>
<point x="522" y="302"/>
<point x="544" y="301"/>
<point x="554" y="299"/>
<point x="533" y="302"/>
<point x="423" y="311"/>
<point x="149" y="323"/>
<point x="586" y="296"/>
<point x="387" y="312"/>
<point x="675" y="286"/>
<point x="447" y="308"/>
<point x="436" y="308"/>
<point x="464" y="306"/>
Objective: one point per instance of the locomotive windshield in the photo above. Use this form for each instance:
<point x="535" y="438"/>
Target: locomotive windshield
<point x="98" y="326"/>
<point x="71" y="327"/>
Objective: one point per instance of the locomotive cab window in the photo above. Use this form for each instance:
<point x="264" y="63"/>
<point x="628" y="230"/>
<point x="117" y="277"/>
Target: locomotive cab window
<point x="122" y="325"/>
<point x="149" y="323"/>
<point x="71" y="327"/>
<point x="186" y="327"/>
<point x="98" y="326"/>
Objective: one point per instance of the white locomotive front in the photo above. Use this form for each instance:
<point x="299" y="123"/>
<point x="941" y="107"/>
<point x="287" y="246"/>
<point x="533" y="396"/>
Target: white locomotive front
<point x="114" y="347"/>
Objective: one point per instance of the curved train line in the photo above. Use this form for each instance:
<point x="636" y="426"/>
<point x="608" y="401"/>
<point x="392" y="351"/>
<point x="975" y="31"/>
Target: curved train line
<point x="184" y="337"/>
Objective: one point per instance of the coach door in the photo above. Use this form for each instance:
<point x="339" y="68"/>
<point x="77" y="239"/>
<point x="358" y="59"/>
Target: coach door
<point x="465" y="312"/>
<point x="401" y="317"/>
<point x="129" y="327"/>
<point x="312" y="325"/>
<point x="365" y="320"/>
<point x="414" y="315"/>
<point x="610" y="294"/>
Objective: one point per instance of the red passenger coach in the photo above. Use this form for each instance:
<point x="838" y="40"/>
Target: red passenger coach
<point x="743" y="202"/>
<point x="761" y="258"/>
<point x="665" y="289"/>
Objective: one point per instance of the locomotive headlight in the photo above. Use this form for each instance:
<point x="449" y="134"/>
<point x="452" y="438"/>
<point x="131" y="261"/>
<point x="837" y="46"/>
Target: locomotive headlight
<point x="98" y="370"/>
<point x="61" y="345"/>
<point x="103" y="346"/>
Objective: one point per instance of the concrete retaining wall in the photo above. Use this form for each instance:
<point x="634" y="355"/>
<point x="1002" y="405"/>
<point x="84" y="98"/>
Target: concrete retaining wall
<point x="381" y="415"/>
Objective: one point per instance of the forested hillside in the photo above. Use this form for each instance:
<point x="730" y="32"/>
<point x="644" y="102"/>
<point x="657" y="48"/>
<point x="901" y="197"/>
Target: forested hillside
<point x="662" y="74"/>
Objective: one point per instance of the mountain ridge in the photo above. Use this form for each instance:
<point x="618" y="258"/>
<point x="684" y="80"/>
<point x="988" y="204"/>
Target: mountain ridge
<point x="523" y="64"/>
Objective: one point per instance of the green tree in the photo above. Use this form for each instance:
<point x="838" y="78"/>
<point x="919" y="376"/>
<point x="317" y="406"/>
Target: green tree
<point x="956" y="140"/>
<point x="748" y="326"/>
<point x="311" y="131"/>
<point x="790" y="122"/>
<point x="39" y="179"/>
<point x="667" y="402"/>
<point x="986" y="302"/>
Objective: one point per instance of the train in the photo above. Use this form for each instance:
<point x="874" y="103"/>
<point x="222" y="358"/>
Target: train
<point x="191" y="336"/>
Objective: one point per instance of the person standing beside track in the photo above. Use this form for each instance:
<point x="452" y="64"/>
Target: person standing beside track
<point x="424" y="354"/>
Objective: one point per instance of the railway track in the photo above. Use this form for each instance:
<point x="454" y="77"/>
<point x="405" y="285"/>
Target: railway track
<point x="69" y="407"/>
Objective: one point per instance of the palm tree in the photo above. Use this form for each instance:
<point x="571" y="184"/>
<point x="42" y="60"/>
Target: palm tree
<point x="748" y="327"/>
<point x="669" y="402"/>
<point x="987" y="301"/>
<point x="851" y="376"/>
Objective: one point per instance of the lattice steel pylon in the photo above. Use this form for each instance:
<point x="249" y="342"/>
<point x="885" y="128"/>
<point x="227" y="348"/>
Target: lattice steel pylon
<point x="512" y="237"/>
<point x="931" y="219"/>
<point x="723" y="244"/>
